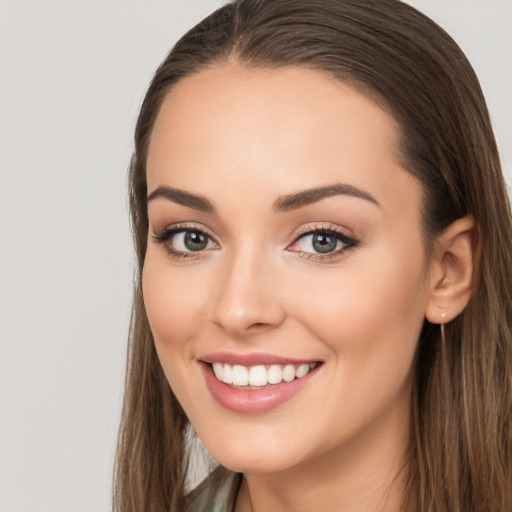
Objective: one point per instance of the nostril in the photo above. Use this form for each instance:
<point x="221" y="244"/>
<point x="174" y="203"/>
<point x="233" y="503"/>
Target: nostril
<point x="257" y="325"/>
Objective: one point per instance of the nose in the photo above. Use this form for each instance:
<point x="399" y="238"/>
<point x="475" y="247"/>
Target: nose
<point x="246" y="298"/>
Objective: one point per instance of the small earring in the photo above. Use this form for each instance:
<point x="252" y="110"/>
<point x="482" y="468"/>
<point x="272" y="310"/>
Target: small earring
<point x="443" y="316"/>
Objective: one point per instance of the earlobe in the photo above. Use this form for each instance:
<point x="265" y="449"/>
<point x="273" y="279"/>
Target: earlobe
<point x="451" y="271"/>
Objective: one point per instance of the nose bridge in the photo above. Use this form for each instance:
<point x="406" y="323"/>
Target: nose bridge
<point x="245" y="298"/>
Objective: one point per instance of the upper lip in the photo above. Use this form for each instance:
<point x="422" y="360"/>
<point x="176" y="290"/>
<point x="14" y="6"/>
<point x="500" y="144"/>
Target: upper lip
<point x="252" y="359"/>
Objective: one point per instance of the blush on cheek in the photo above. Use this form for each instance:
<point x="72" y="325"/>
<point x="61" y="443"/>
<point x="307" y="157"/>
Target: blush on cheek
<point x="172" y="304"/>
<point x="355" y="315"/>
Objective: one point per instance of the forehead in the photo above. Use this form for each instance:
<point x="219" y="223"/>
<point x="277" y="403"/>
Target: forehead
<point x="270" y="131"/>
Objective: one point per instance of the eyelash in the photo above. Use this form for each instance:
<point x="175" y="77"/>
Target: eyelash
<point x="349" y="243"/>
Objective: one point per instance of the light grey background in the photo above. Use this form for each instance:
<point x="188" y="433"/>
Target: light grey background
<point x="72" y="76"/>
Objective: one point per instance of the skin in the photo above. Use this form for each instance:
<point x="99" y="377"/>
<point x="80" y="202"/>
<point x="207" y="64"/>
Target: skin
<point x="243" y="138"/>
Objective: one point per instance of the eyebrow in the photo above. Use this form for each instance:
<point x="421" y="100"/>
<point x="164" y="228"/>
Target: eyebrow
<point x="282" y="204"/>
<point x="181" y="197"/>
<point x="300" y="199"/>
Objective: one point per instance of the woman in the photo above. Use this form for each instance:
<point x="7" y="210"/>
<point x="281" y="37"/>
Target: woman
<point x="323" y="292"/>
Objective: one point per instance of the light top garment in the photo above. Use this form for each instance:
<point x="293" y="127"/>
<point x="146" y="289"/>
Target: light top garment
<point x="216" y="493"/>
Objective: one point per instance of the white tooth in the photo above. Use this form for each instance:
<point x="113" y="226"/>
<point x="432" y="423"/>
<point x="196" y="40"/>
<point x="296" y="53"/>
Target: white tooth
<point x="217" y="370"/>
<point x="275" y="374"/>
<point x="240" y="375"/>
<point x="289" y="373"/>
<point x="302" y="370"/>
<point x="257" y="376"/>
<point x="227" y="374"/>
<point x="311" y="365"/>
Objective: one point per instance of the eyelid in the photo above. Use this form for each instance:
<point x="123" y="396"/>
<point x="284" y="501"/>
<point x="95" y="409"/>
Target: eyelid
<point x="183" y="226"/>
<point x="321" y="227"/>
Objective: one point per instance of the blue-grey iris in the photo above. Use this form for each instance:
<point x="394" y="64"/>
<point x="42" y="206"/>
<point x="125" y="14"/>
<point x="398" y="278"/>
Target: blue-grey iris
<point x="195" y="241"/>
<point x="324" y="243"/>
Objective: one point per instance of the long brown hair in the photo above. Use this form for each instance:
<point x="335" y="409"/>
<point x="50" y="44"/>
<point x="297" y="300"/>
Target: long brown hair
<point x="461" y="422"/>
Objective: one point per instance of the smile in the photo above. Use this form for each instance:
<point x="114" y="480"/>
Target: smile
<point x="255" y="383"/>
<point x="256" y="377"/>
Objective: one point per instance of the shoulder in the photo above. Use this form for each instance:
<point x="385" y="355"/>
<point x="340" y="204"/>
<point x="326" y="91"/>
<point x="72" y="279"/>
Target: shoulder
<point x="217" y="493"/>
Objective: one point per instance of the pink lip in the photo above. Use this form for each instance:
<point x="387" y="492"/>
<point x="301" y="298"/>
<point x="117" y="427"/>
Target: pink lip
<point x="253" y="359"/>
<point x="253" y="401"/>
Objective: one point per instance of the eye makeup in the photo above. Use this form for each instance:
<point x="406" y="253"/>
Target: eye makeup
<point x="318" y="242"/>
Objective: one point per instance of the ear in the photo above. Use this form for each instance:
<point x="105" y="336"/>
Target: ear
<point x="451" y="272"/>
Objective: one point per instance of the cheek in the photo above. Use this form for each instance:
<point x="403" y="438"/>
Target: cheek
<point x="175" y="309"/>
<point x="173" y="302"/>
<point x="370" y="318"/>
<point x="369" y="314"/>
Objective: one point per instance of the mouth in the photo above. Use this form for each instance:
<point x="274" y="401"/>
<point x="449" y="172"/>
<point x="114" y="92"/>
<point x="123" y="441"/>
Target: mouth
<point x="256" y="384"/>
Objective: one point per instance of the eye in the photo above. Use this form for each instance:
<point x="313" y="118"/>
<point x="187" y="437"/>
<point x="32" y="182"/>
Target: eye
<point x="180" y="242"/>
<point x="193" y="241"/>
<point x="322" y="243"/>
<point x="319" y="243"/>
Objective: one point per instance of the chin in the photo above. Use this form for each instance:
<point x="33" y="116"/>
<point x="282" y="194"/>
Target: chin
<point x="262" y="462"/>
<point x="253" y="453"/>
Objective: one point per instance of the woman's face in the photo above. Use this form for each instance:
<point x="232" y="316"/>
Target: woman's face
<point x="285" y="247"/>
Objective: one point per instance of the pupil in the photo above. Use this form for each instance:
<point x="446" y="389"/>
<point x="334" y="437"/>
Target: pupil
<point x="324" y="243"/>
<point x="195" y="241"/>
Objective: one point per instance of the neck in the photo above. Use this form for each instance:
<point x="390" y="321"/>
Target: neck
<point x="367" y="474"/>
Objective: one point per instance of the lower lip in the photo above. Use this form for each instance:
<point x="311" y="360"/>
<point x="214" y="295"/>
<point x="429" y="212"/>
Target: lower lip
<point x="253" y="401"/>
